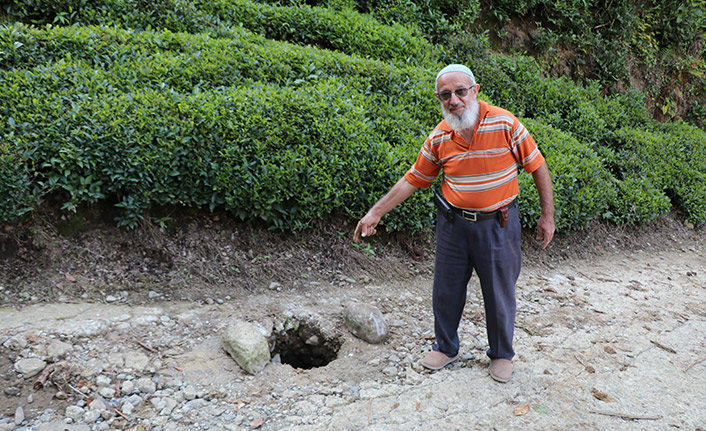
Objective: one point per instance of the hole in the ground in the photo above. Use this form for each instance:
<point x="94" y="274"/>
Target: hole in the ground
<point x="303" y="345"/>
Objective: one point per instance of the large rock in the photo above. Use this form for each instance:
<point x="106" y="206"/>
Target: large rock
<point x="248" y="347"/>
<point x="365" y="322"/>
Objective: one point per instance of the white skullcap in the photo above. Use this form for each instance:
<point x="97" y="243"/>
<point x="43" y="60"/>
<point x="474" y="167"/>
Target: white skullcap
<point x="455" y="68"/>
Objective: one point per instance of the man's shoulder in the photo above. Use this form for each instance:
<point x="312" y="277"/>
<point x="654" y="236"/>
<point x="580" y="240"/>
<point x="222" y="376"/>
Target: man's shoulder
<point x="441" y="129"/>
<point x="497" y="119"/>
<point x="496" y="111"/>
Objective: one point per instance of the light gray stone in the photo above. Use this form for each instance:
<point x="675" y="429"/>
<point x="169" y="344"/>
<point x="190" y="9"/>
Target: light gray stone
<point x="127" y="387"/>
<point x="16" y="342"/>
<point x="60" y="426"/>
<point x="146" y="385"/>
<point x="365" y="322"/>
<point x="169" y="406"/>
<point x="127" y="408"/>
<point x="189" y="392"/>
<point x="107" y="392"/>
<point x="30" y="367"/>
<point x="136" y="361"/>
<point x="74" y="412"/>
<point x="57" y="350"/>
<point x="103" y="381"/>
<point x="19" y="416"/>
<point x="91" y="416"/>
<point x="247" y="346"/>
<point x="135" y="400"/>
<point x="116" y="359"/>
<point x="98" y="404"/>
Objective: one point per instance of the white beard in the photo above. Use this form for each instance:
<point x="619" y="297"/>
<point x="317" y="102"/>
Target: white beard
<point x="467" y="120"/>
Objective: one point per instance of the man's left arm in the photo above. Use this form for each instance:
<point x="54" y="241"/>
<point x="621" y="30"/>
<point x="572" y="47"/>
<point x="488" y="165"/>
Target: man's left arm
<point x="545" y="225"/>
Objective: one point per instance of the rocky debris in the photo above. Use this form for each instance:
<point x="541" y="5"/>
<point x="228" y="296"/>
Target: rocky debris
<point x="247" y="345"/>
<point x="366" y="322"/>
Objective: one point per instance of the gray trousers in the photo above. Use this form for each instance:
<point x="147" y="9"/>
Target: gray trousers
<point x="494" y="253"/>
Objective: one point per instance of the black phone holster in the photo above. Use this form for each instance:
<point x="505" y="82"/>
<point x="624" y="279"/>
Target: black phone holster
<point x="443" y="206"/>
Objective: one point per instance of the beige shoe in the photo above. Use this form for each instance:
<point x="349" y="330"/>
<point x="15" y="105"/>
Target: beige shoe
<point x="500" y="370"/>
<point x="436" y="360"/>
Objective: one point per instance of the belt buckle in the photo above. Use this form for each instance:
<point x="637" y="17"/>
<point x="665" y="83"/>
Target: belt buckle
<point x="470" y="216"/>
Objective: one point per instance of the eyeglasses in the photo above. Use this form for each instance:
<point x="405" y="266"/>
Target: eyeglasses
<point x="459" y="92"/>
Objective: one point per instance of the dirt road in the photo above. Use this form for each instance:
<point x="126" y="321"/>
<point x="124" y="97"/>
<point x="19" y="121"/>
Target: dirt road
<point x="610" y="343"/>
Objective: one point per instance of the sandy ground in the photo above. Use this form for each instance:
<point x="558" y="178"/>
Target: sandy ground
<point x="616" y="342"/>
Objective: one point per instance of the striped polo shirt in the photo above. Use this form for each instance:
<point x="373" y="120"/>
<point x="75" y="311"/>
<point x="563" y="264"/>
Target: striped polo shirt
<point x="482" y="176"/>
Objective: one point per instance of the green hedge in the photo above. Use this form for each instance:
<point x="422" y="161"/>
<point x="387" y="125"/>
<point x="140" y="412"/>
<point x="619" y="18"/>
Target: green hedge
<point x="16" y="188"/>
<point x="282" y="155"/>
<point x="671" y="158"/>
<point x="517" y="84"/>
<point x="583" y="187"/>
<point x="164" y="60"/>
<point x="345" y="31"/>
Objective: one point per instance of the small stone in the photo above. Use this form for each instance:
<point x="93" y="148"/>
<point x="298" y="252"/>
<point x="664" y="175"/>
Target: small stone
<point x="137" y="361"/>
<point x="19" y="416"/>
<point x="57" y="350"/>
<point x="111" y="298"/>
<point x="275" y="286"/>
<point x="127" y="408"/>
<point x="389" y="371"/>
<point x="17" y="342"/>
<point x="107" y="392"/>
<point x="74" y="412"/>
<point x="169" y="406"/>
<point x="146" y="385"/>
<point x="103" y="381"/>
<point x="92" y="415"/>
<point x="61" y="395"/>
<point x="135" y="400"/>
<point x="12" y="391"/>
<point x="189" y="392"/>
<point x="30" y="367"/>
<point x="127" y="387"/>
<point x="98" y="404"/>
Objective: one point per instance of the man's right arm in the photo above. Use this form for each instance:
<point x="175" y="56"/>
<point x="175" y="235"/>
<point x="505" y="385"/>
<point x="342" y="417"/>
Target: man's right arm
<point x="397" y="194"/>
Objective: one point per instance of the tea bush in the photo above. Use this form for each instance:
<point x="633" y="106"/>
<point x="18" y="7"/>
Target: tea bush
<point x="16" y="197"/>
<point x="583" y="187"/>
<point x="345" y="30"/>
<point x="672" y="158"/>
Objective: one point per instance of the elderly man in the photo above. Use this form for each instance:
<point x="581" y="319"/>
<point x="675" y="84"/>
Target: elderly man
<point x="479" y="147"/>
